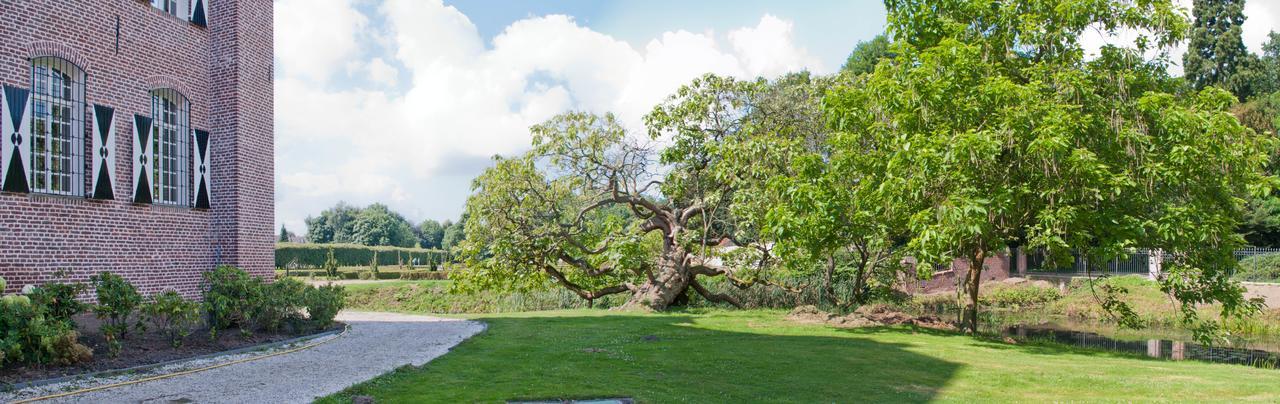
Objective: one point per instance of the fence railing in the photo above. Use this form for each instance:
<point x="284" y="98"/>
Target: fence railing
<point x="1138" y="261"/>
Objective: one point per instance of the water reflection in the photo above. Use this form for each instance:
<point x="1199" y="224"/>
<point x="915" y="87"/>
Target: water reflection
<point x="1155" y="348"/>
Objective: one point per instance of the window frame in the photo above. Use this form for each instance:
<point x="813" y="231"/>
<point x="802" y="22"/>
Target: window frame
<point x="176" y="8"/>
<point x="170" y="148"/>
<point x="57" y="127"/>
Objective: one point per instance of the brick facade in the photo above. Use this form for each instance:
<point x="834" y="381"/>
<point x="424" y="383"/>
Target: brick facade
<point x="224" y="71"/>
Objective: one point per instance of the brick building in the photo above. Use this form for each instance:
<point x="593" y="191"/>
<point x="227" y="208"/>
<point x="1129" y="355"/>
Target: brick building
<point x="137" y="139"/>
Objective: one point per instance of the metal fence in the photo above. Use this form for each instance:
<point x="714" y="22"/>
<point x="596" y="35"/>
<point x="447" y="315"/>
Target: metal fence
<point x="1137" y="262"/>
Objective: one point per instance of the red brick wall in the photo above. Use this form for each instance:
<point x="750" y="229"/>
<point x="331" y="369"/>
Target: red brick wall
<point x="996" y="269"/>
<point x="155" y="247"/>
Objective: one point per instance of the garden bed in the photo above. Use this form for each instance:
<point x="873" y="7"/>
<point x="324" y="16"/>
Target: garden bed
<point x="142" y="348"/>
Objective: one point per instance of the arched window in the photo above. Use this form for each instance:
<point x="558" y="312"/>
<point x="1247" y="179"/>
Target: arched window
<point x="170" y="131"/>
<point x="57" y="127"/>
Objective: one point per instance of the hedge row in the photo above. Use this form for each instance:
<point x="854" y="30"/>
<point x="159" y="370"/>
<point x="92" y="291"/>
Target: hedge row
<point x="297" y="255"/>
<point x="402" y="275"/>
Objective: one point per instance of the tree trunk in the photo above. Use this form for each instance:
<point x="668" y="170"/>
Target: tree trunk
<point x="828" y="283"/>
<point x="974" y="280"/>
<point x="669" y="283"/>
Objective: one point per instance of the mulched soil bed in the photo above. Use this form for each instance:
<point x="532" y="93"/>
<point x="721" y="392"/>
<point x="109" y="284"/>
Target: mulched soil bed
<point x="143" y="348"/>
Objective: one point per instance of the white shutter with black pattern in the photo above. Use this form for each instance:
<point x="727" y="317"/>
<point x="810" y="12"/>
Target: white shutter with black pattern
<point x="199" y="12"/>
<point x="15" y="127"/>
<point x="200" y="141"/>
<point x="142" y="158"/>
<point x="104" y="153"/>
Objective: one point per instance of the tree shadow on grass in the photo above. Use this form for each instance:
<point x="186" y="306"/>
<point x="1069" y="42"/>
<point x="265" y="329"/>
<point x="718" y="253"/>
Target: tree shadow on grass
<point x="663" y="358"/>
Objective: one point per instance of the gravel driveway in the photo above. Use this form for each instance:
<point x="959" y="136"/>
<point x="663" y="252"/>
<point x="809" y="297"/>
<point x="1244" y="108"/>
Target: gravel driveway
<point x="377" y="343"/>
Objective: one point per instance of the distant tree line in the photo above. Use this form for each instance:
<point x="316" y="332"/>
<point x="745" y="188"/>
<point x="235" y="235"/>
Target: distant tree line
<point x="378" y="225"/>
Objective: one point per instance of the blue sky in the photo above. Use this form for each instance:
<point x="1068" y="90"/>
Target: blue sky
<point x="403" y="102"/>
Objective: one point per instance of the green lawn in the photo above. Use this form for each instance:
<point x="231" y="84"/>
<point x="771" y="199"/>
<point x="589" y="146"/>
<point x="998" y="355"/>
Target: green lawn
<point x="757" y="356"/>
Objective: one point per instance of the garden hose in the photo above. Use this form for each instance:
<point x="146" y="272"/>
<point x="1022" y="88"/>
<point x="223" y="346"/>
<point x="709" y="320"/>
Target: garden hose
<point x="175" y="374"/>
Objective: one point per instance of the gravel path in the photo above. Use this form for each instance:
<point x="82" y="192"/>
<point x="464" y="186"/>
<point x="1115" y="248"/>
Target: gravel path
<point x="377" y="343"/>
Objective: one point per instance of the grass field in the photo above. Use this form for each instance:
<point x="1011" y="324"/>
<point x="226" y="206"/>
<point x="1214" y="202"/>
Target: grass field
<point x="758" y="356"/>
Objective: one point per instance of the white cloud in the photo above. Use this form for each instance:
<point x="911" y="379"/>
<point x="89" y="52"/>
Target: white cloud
<point x="1261" y="17"/>
<point x="382" y="73"/>
<point x="313" y="37"/>
<point x="463" y="101"/>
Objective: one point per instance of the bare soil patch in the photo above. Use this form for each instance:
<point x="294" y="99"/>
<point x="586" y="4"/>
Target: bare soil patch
<point x="144" y="347"/>
<point x="872" y="315"/>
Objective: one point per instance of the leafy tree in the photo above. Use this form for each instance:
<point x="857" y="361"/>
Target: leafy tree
<point x="430" y="234"/>
<point x="334" y="225"/>
<point x="866" y="54"/>
<point x="1261" y="225"/>
<point x="1216" y="54"/>
<point x="586" y="209"/>
<point x="378" y="225"/>
<point x="452" y="236"/>
<point x="995" y="134"/>
<point x="331" y="265"/>
<point x="284" y="234"/>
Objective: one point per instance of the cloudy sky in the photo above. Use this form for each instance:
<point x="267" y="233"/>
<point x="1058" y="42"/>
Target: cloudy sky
<point x="404" y="101"/>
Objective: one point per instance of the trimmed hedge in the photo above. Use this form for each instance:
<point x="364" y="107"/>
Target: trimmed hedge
<point x="384" y="274"/>
<point x="297" y="255"/>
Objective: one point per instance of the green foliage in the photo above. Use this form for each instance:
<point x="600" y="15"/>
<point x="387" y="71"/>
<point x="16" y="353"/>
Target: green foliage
<point x="172" y="315"/>
<point x="366" y="275"/>
<point x="424" y="275"/>
<point x="983" y="133"/>
<point x="1259" y="268"/>
<point x="1261" y="225"/>
<point x="1018" y="297"/>
<point x="452" y="235"/>
<point x="279" y="303"/>
<point x="1216" y="55"/>
<point x="315" y="255"/>
<point x="866" y="54"/>
<point x="231" y="299"/>
<point x="330" y="263"/>
<point x="373" y="264"/>
<point x="117" y="300"/>
<point x="60" y="300"/>
<point x="377" y="225"/>
<point x="334" y="225"/>
<point x="284" y="235"/>
<point x="323" y="304"/>
<point x="28" y="335"/>
<point x="431" y="234"/>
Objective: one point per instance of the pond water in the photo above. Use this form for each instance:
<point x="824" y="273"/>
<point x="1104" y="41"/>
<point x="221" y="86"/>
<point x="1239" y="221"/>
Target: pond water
<point x="1260" y="354"/>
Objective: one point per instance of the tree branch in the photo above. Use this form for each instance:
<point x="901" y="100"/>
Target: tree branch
<point x="714" y="297"/>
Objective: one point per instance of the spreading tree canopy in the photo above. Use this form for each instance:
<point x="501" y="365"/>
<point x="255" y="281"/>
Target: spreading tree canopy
<point x="994" y="131"/>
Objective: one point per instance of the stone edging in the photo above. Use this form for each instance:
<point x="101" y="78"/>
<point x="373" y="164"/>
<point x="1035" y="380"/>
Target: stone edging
<point x="141" y="368"/>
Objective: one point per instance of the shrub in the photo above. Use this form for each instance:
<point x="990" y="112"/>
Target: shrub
<point x="280" y="302"/>
<point x="315" y="255"/>
<point x="373" y="265"/>
<point x="323" y="304"/>
<point x="366" y="275"/>
<point x="331" y="265"/>
<point x="172" y="315"/>
<point x="28" y="336"/>
<point x="1259" y="268"/>
<point x="230" y="299"/>
<point x="424" y="275"/>
<point x="60" y="300"/>
<point x="117" y="299"/>
<point x="1018" y="296"/>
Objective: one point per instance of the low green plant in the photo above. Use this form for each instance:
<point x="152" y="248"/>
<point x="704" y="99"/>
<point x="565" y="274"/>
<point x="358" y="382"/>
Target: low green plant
<point x="172" y="315"/>
<point x="1019" y="296"/>
<point x="373" y="265"/>
<point x="60" y="300"/>
<point x="367" y="275"/>
<point x="27" y="335"/>
<point x="117" y="300"/>
<point x="278" y="304"/>
<point x="231" y="298"/>
<point x="331" y="265"/>
<point x="323" y="304"/>
<point x="424" y="275"/>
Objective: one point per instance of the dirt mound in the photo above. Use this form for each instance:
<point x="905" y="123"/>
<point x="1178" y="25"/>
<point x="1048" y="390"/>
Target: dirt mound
<point x="872" y="315"/>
